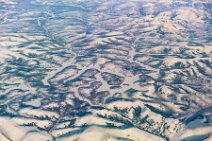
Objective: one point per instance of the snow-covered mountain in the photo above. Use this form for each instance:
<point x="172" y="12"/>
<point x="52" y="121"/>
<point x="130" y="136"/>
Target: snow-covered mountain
<point x="105" y="70"/>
